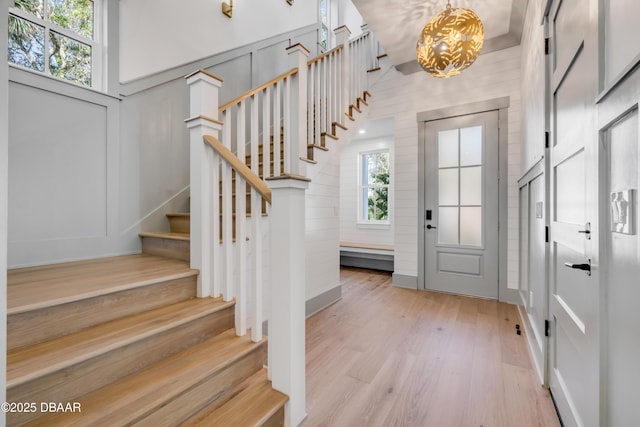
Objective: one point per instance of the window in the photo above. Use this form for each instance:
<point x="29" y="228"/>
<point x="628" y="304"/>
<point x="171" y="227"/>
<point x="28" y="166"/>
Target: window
<point x="374" y="187"/>
<point x="56" y="37"/>
<point x="324" y="22"/>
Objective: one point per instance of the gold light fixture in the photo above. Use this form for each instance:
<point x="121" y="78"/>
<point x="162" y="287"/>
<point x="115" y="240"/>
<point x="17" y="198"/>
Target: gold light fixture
<point x="227" y="8"/>
<point x="450" y="42"/>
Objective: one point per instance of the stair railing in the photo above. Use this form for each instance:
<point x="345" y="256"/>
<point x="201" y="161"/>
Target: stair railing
<point x="296" y="108"/>
<point x="363" y="57"/>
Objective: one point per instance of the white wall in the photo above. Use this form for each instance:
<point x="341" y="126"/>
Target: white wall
<point x="156" y="35"/>
<point x="4" y="165"/>
<point x="350" y="230"/>
<point x="401" y="96"/>
<point x="350" y="17"/>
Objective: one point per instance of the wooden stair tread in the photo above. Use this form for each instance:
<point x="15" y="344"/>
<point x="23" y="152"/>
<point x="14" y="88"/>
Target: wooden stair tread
<point x="251" y="407"/>
<point x="329" y="135"/>
<point x="136" y="396"/>
<point x="27" y="363"/>
<point x="340" y="125"/>
<point x="320" y="147"/>
<point x="34" y="288"/>
<point x="166" y="235"/>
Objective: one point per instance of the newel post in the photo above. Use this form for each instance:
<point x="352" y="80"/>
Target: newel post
<point x="287" y="311"/>
<point x="342" y="38"/>
<point x="298" y="55"/>
<point x="203" y="120"/>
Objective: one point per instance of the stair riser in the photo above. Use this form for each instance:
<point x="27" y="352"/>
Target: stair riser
<point x="177" y="249"/>
<point x="275" y="420"/>
<point x="69" y="383"/>
<point x="211" y="393"/>
<point x="179" y="224"/>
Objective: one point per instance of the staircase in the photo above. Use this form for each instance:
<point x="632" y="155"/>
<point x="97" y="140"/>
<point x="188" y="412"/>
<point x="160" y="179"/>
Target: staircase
<point x="125" y="341"/>
<point x="137" y="339"/>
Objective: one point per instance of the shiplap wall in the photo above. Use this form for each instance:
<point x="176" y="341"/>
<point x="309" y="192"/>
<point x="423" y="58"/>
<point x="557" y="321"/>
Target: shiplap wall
<point x="323" y="222"/>
<point x="401" y="96"/>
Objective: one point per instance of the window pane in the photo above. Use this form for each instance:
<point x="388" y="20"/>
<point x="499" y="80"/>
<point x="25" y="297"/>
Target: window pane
<point x="448" y="148"/>
<point x="34" y="7"/>
<point x="471" y="226"/>
<point x="74" y="15"/>
<point x="70" y="59"/>
<point x="448" y="187"/>
<point x="26" y="43"/>
<point x="377" y="204"/>
<point x="378" y="168"/>
<point x="471" y="186"/>
<point x="448" y="226"/>
<point x="471" y="146"/>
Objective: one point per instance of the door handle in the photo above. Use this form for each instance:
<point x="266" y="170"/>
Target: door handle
<point x="586" y="231"/>
<point x="584" y="267"/>
<point x="429" y="227"/>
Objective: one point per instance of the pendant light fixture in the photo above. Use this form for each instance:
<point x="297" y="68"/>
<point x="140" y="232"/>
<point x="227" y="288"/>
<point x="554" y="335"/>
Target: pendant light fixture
<point x="450" y="42"/>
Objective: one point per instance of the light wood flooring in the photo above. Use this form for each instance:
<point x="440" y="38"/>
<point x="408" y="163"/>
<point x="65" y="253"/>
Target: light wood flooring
<point x="384" y="356"/>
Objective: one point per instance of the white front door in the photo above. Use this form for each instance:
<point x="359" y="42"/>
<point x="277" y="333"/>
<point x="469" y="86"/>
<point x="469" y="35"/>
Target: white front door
<point x="461" y="205"/>
<point x="573" y="277"/>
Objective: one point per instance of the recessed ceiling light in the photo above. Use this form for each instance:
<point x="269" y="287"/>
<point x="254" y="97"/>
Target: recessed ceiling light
<point x="361" y="131"/>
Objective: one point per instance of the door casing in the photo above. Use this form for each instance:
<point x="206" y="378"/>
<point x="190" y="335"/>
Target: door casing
<point x="496" y="104"/>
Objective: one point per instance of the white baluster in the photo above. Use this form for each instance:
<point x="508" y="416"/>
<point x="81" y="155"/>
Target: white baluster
<point x="298" y="55"/>
<point x="342" y="38"/>
<point x="256" y="249"/>
<point x="311" y="102"/>
<point x="227" y="213"/>
<point x="317" y="104"/>
<point x="266" y="132"/>
<point x="276" y="130"/>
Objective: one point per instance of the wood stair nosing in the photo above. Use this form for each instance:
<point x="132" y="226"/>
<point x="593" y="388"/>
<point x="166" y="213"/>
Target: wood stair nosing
<point x="337" y="124"/>
<point x="33" y="288"/>
<point x="206" y="370"/>
<point x="92" y="365"/>
<point x="32" y="362"/>
<point x="252" y="407"/>
<point x="328" y="135"/>
<point x="51" y="322"/>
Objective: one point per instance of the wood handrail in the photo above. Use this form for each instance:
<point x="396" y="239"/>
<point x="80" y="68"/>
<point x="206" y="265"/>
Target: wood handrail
<point x="252" y="179"/>
<point x="319" y="57"/>
<point x="258" y="89"/>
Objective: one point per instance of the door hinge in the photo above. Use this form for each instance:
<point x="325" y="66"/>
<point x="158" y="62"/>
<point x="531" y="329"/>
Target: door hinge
<point x="547" y="136"/>
<point x="546" y="234"/>
<point x="547" y="325"/>
<point x="546" y="46"/>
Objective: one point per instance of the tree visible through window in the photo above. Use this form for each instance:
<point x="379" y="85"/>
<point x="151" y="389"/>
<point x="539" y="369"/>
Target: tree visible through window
<point x="56" y="37"/>
<point x="374" y="187"/>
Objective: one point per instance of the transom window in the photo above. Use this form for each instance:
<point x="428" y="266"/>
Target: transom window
<point x="374" y="187"/>
<point x="56" y="37"/>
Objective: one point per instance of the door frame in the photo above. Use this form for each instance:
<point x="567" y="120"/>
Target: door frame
<point x="496" y="104"/>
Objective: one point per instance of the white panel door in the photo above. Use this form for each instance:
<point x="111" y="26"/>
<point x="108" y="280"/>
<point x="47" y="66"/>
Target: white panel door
<point x="574" y="290"/>
<point x="461" y="202"/>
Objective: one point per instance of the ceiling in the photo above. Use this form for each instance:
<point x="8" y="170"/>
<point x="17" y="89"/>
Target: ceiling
<point x="398" y="23"/>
